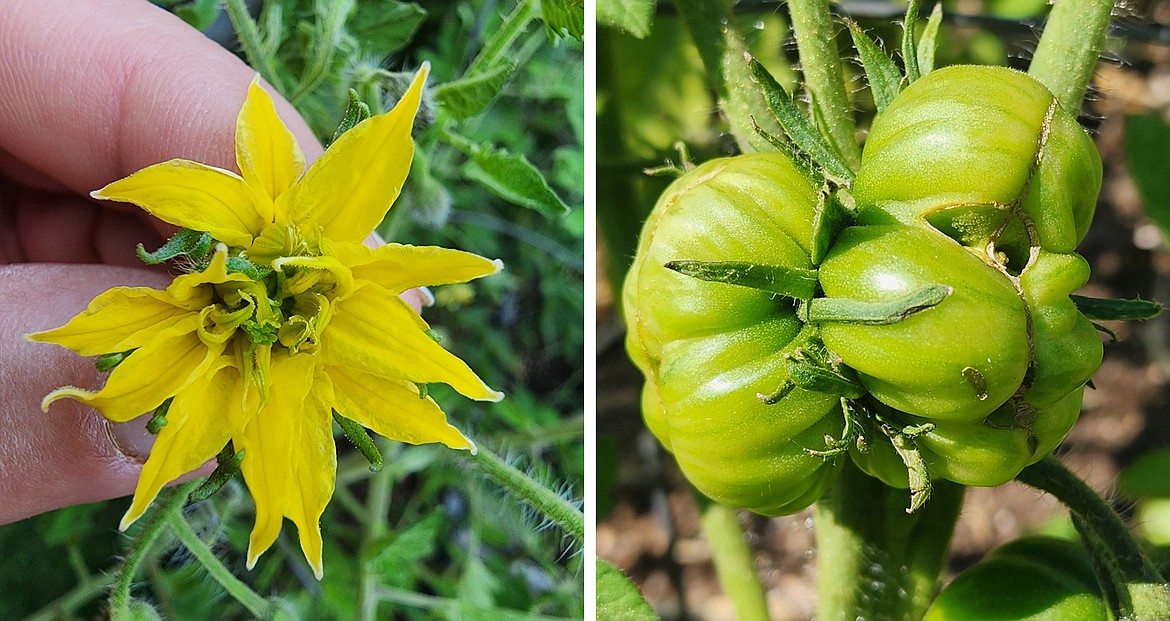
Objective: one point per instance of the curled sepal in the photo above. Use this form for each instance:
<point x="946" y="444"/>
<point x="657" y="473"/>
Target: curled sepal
<point x="158" y="419"/>
<point x="1101" y="309"/>
<point x="858" y="312"/>
<point x="830" y="219"/>
<point x="904" y="443"/>
<point x="799" y="128"/>
<point x="356" y="112"/>
<point x="883" y="76"/>
<point x="247" y="268"/>
<point x="793" y="282"/>
<point x="227" y="464"/>
<point x="360" y="439"/>
<point x="927" y="44"/>
<point x="194" y="244"/>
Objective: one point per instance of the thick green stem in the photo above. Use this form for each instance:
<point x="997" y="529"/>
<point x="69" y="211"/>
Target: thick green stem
<point x="539" y="497"/>
<point x="170" y="501"/>
<point x="1068" y="49"/>
<point x="1123" y="568"/>
<point x="824" y="76"/>
<point x="875" y="561"/>
<point x="215" y="568"/>
<point x="734" y="563"/>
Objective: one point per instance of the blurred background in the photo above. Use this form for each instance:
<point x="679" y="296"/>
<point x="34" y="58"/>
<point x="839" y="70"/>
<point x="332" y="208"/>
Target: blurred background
<point x="498" y="171"/>
<point x="654" y="95"/>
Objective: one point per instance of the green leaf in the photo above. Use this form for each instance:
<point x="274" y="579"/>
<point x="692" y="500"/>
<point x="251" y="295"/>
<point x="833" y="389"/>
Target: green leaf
<point x="798" y="127"/>
<point x="1112" y="309"/>
<point x="563" y="17"/>
<point x="471" y="95"/>
<point x="928" y="43"/>
<point x="632" y="16"/>
<point x="1147" y="149"/>
<point x="792" y="282"/>
<point x="513" y="178"/>
<point x="200" y="13"/>
<point x="384" y="27"/>
<point x="402" y="552"/>
<point x="618" y="598"/>
<point x="1146" y="476"/>
<point x="883" y="75"/>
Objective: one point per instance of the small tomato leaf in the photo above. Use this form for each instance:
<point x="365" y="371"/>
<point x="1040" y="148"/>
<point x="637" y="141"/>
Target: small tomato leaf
<point x="513" y="178"/>
<point x="618" y="598"/>
<point x="469" y="96"/>
<point x="885" y="80"/>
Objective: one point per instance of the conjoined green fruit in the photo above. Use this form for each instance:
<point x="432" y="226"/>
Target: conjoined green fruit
<point x="709" y="348"/>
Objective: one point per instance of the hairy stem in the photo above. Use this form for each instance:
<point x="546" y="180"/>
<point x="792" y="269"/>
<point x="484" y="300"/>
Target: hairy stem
<point x="169" y="502"/>
<point x="875" y="561"/>
<point x="1123" y="568"/>
<point x="539" y="497"/>
<point x="493" y="49"/>
<point x="823" y="75"/>
<point x="734" y="563"/>
<point x="249" y="37"/>
<point x="214" y="567"/>
<point x="1068" y="49"/>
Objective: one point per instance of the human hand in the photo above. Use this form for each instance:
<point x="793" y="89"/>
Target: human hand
<point x="94" y="91"/>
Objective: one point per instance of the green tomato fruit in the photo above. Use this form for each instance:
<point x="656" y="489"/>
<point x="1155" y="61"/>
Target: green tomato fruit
<point x="708" y="348"/>
<point x="958" y="361"/>
<point x="1028" y="579"/>
<point x="982" y="154"/>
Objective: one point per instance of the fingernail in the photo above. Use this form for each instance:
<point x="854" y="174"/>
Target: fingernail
<point x="131" y="438"/>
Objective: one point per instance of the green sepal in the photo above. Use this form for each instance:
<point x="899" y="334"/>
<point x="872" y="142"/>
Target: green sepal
<point x="830" y="219"/>
<point x="247" y="268"/>
<point x="903" y="441"/>
<point x="803" y="164"/>
<point x="928" y="43"/>
<point x="882" y="73"/>
<point x="851" y="435"/>
<point x="799" y="128"/>
<point x="107" y="362"/>
<point x="360" y="439"/>
<point x="1106" y="331"/>
<point x="1102" y="309"/>
<point x="434" y="335"/>
<point x="158" y="419"/>
<point x="227" y="464"/>
<point x="194" y="244"/>
<point x="846" y="310"/>
<point x="812" y="374"/>
<point x="356" y="112"/>
<point x="424" y="390"/>
<point x="909" y="45"/>
<point x="791" y="282"/>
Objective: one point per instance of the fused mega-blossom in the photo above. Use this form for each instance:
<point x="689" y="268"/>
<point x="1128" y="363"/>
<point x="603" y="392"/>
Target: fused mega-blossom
<point x="290" y="318"/>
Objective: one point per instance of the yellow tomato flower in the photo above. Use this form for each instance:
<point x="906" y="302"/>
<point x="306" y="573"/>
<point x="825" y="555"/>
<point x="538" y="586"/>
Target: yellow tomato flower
<point x="264" y="362"/>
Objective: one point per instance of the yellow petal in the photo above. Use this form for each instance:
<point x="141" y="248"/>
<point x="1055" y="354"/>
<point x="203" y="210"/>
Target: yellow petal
<point x="351" y="187"/>
<point x="268" y="155"/>
<point x="200" y="421"/>
<point x="193" y="196"/>
<point x="393" y="409"/>
<point x="187" y="288"/>
<point x="399" y="267"/>
<point x="315" y="470"/>
<point x="120" y="319"/>
<point x="154" y="372"/>
<point x="376" y="332"/>
<point x="271" y="438"/>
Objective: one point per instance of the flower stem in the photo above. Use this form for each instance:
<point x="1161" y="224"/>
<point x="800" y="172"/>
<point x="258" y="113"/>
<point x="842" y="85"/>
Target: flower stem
<point x="823" y="75"/>
<point x="67" y="605"/>
<point x="377" y="508"/>
<point x="539" y="497"/>
<point x="1068" y="49"/>
<point x="215" y="568"/>
<point x="733" y="562"/>
<point x="1123" y="569"/>
<point x="875" y="561"/>
<point x="249" y="37"/>
<point x="170" y="501"/>
<point x="507" y="33"/>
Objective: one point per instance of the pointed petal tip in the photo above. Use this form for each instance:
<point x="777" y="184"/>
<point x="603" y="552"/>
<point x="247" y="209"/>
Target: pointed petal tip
<point x="499" y="266"/>
<point x="97" y="194"/>
<point x="494" y="396"/>
<point x="129" y="519"/>
<point x="64" y="392"/>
